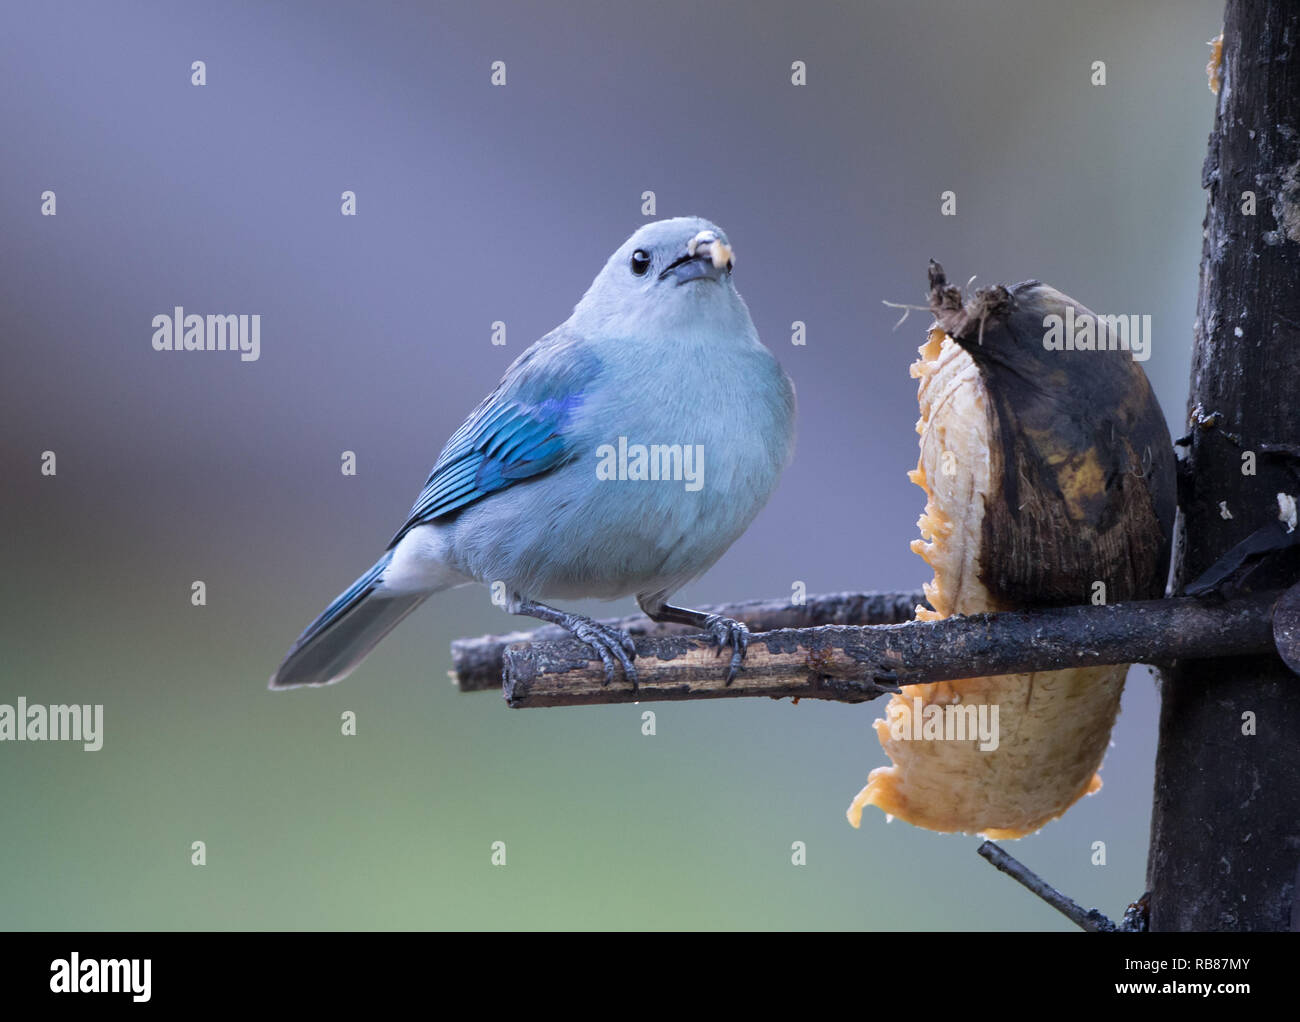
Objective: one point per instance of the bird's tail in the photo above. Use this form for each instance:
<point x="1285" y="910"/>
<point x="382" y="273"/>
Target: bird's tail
<point x="346" y="632"/>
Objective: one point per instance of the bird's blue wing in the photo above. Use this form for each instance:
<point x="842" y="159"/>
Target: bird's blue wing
<point x="518" y="432"/>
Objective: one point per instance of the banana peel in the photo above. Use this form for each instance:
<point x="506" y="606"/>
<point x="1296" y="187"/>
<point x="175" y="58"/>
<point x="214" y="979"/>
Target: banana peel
<point x="1049" y="479"/>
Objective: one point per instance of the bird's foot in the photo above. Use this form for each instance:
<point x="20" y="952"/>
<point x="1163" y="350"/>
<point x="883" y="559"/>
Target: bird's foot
<point x="725" y="631"/>
<point x="722" y="631"/>
<point x="615" y="648"/>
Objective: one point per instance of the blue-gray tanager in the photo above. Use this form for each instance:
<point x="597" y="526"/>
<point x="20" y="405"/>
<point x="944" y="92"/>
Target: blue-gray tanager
<point x="621" y="454"/>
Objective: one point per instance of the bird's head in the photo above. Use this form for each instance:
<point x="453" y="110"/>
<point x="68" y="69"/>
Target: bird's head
<point x="669" y="273"/>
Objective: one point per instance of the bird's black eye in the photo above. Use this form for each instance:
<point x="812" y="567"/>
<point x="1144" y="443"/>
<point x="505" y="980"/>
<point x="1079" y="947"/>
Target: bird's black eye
<point x="640" y="262"/>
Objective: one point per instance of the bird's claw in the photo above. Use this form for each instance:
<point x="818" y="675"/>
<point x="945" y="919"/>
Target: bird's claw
<point x="725" y="631"/>
<point x="615" y="648"/>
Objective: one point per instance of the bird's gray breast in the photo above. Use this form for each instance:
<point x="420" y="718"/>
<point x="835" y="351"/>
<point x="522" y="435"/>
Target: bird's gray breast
<point x="670" y="465"/>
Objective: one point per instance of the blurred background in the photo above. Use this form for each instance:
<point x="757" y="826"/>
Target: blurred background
<point x="475" y="204"/>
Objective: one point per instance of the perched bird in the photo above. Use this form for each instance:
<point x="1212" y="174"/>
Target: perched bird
<point x="621" y="454"/>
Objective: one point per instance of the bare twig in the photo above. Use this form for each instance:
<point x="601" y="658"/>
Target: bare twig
<point x="855" y="664"/>
<point x="477" y="663"/>
<point x="909" y="310"/>
<point x="1085" y="918"/>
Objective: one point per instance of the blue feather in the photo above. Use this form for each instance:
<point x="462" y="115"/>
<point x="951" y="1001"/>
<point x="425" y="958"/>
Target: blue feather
<point x="344" y="602"/>
<point x="516" y="433"/>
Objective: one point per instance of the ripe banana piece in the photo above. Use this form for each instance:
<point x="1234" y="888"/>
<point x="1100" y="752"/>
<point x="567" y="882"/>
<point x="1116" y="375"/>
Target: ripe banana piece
<point x="1049" y="479"/>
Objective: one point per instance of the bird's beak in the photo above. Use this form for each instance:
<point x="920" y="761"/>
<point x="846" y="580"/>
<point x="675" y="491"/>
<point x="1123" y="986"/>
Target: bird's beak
<point x="706" y="255"/>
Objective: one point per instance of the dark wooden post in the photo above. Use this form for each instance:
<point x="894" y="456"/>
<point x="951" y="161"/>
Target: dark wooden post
<point x="1225" y="832"/>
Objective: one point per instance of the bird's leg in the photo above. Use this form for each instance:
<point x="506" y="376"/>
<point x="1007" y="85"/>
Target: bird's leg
<point x="613" y="646"/>
<point x="724" y="631"/>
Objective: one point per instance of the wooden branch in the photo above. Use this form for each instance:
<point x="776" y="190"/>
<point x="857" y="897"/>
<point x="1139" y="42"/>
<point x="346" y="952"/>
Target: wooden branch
<point x="477" y="663"/>
<point x="1085" y="918"/>
<point x="856" y="664"/>
<point x="1224" y="854"/>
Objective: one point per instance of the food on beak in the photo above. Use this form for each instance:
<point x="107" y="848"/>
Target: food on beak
<point x="718" y="250"/>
